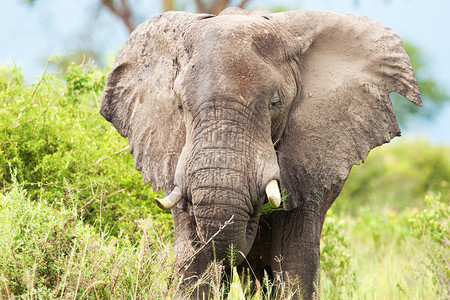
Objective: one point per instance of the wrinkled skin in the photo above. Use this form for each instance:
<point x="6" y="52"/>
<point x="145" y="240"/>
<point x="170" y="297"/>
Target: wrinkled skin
<point x="215" y="107"/>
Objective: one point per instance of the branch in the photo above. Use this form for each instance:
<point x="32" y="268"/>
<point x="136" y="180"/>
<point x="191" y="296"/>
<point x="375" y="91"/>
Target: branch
<point x="115" y="153"/>
<point x="243" y="3"/>
<point x="209" y="241"/>
<point x="39" y="83"/>
<point x="123" y="12"/>
<point x="219" y="5"/>
<point x="200" y="6"/>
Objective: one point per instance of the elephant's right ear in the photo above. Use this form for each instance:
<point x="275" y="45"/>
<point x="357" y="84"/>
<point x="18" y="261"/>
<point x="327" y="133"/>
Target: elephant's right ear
<point x="348" y="67"/>
<point x="139" y="99"/>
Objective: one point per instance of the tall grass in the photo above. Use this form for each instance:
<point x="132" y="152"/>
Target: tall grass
<point x="386" y="261"/>
<point x="47" y="251"/>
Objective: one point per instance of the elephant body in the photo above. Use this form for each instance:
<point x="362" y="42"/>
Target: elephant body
<point x="219" y="108"/>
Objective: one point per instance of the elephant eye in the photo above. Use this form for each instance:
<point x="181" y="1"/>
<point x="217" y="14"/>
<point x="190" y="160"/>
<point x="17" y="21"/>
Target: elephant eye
<point x="274" y="101"/>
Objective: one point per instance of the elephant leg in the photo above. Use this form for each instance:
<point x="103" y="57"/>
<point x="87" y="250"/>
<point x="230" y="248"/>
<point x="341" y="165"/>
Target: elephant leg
<point x="296" y="241"/>
<point x="296" y="249"/>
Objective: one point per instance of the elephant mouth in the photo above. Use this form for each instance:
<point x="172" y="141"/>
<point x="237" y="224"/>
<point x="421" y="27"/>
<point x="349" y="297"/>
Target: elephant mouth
<point x="222" y="216"/>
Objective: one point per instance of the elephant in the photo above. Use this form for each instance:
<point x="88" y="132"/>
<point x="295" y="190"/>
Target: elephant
<point x="221" y="112"/>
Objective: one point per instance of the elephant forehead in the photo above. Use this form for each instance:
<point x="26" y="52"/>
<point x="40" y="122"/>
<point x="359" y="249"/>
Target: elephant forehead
<point x="242" y="75"/>
<point x="243" y="58"/>
<point x="249" y="38"/>
<point x="233" y="55"/>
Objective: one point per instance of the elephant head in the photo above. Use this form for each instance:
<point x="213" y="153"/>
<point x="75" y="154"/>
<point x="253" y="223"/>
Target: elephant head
<point x="217" y="109"/>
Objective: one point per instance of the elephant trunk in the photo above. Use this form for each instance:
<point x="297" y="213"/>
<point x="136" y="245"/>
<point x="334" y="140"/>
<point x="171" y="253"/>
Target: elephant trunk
<point x="219" y="193"/>
<point x="224" y="168"/>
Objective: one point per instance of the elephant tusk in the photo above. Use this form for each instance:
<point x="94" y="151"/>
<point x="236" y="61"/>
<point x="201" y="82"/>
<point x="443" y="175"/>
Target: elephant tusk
<point x="273" y="193"/>
<point x="170" y="201"/>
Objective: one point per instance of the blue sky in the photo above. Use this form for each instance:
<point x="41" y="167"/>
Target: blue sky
<point x="29" y="35"/>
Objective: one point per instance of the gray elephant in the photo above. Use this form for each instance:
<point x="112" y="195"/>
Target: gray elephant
<point x="221" y="110"/>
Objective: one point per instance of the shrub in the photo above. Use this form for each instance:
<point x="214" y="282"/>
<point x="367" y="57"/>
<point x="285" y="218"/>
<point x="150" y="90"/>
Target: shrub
<point x="53" y="135"/>
<point x="395" y="177"/>
<point x="432" y="228"/>
<point x="338" y="276"/>
<point x="83" y="79"/>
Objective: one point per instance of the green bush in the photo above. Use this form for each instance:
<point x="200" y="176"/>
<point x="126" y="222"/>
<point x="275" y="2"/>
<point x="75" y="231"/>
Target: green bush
<point x="336" y="266"/>
<point x="53" y="135"/>
<point x="81" y="80"/>
<point x="377" y="255"/>
<point x="395" y="177"/>
<point x="432" y="228"/>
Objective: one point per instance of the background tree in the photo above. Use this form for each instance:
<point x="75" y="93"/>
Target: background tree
<point x="123" y="11"/>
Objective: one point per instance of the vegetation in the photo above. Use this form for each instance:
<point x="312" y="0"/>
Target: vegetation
<point x="61" y="148"/>
<point x="47" y="251"/>
<point x="77" y="221"/>
<point x="396" y="176"/>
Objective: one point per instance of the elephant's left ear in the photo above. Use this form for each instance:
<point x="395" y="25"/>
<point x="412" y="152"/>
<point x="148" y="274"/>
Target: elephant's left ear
<point x="348" y="67"/>
<point x="139" y="97"/>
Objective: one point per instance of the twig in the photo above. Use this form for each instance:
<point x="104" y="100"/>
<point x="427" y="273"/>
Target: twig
<point x="91" y="286"/>
<point x="207" y="242"/>
<point x="243" y="3"/>
<point x="178" y="286"/>
<point x="121" y="11"/>
<point x="52" y="186"/>
<point x="81" y="268"/>
<point x="16" y="70"/>
<point x="8" y="292"/>
<point x="115" y="153"/>
<point x="93" y="199"/>
<point x="40" y="81"/>
<point x="276" y="142"/>
<point x="34" y="91"/>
